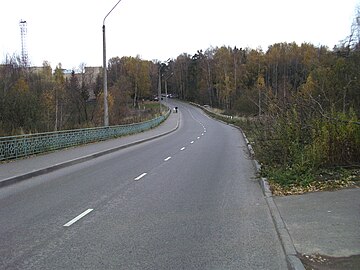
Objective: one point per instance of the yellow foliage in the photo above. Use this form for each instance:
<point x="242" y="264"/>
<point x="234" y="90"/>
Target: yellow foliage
<point x="260" y="82"/>
<point x="21" y="86"/>
<point x="308" y="87"/>
<point x="48" y="99"/>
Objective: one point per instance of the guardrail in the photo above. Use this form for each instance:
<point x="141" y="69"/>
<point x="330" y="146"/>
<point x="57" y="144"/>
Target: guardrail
<point x="13" y="147"/>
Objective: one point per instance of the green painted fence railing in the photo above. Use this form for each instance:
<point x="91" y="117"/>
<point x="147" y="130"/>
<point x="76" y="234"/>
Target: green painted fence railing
<point x="13" y="147"/>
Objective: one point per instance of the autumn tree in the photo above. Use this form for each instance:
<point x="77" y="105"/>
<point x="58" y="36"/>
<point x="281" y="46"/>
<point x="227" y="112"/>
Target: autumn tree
<point x="22" y="108"/>
<point x="181" y="70"/>
<point x="59" y="97"/>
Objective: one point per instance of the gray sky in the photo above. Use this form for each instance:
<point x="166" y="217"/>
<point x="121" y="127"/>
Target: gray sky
<point x="70" y="31"/>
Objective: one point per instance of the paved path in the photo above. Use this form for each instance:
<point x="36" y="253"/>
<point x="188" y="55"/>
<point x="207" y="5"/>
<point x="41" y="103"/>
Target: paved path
<point x="326" y="223"/>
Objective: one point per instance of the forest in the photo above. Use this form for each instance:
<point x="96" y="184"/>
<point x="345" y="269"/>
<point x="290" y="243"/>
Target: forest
<point x="299" y="103"/>
<point x="243" y="82"/>
<point x="40" y="99"/>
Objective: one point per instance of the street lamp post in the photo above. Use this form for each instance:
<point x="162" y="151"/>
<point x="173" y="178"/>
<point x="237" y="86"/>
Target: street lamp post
<point x="106" y="108"/>
<point x="166" y="93"/>
<point x="159" y="89"/>
<point x="162" y="65"/>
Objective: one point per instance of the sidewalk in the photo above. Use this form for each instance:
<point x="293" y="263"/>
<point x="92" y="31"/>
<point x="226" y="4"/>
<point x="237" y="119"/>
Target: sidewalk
<point x="318" y="231"/>
<point x="324" y="226"/>
<point x="22" y="169"/>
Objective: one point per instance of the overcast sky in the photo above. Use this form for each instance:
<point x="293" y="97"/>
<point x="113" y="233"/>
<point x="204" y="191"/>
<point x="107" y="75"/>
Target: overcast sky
<point x="70" y="31"/>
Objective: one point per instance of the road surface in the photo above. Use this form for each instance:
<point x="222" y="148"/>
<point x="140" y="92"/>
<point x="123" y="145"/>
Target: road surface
<point x="188" y="200"/>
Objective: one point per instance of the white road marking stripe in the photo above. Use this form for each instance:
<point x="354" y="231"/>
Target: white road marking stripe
<point x="182" y="149"/>
<point x="140" y="176"/>
<point x="83" y="214"/>
<point x="202" y="134"/>
<point x="166" y="159"/>
<point x="198" y="137"/>
<point x="192" y="142"/>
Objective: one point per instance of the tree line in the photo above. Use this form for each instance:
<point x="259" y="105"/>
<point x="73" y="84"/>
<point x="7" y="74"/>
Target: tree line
<point x="300" y="104"/>
<point x="40" y="99"/>
<point x="248" y="81"/>
<point x="300" y="82"/>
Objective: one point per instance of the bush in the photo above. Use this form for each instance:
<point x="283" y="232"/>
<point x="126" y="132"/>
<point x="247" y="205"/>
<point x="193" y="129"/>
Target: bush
<point x="294" y="146"/>
<point x="335" y="141"/>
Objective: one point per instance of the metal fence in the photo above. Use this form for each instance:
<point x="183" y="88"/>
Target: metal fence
<point x="13" y="147"/>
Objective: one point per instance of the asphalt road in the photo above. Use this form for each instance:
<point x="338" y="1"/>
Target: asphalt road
<point x="189" y="200"/>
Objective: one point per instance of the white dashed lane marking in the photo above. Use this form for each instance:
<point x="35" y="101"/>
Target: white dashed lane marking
<point x="168" y="158"/>
<point x="83" y="214"/>
<point x="140" y="176"/>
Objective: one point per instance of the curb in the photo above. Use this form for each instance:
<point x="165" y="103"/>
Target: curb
<point x="293" y="261"/>
<point x="45" y="170"/>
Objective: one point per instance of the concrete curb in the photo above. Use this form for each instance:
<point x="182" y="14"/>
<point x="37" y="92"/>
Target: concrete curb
<point x="293" y="261"/>
<point x="45" y="170"/>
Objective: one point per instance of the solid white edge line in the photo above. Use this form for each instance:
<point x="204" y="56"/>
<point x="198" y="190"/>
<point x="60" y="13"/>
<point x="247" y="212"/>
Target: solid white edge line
<point x="182" y="149"/>
<point x="166" y="159"/>
<point x="140" y="176"/>
<point x="71" y="222"/>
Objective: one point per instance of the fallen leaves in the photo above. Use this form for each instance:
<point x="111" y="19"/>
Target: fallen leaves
<point x="326" y="181"/>
<point x="315" y="186"/>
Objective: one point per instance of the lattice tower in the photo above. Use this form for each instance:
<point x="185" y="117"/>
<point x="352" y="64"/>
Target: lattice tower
<point x="24" y="52"/>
